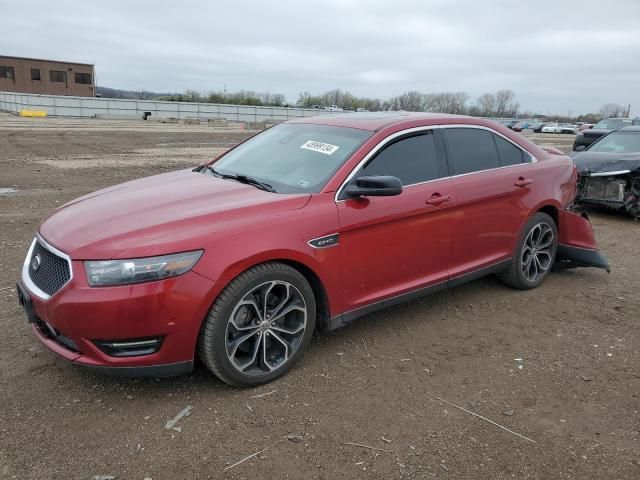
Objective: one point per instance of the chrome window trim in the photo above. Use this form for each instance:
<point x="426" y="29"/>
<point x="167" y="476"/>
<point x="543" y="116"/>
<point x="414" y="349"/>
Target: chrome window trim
<point x="386" y="140"/>
<point x="606" y="174"/>
<point x="26" y="279"/>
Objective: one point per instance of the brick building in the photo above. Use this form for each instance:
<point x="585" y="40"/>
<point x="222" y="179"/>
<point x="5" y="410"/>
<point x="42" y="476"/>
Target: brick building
<point x="32" y="75"/>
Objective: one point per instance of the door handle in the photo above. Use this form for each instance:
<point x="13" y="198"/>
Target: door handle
<point x="523" y="182"/>
<point x="437" y="199"/>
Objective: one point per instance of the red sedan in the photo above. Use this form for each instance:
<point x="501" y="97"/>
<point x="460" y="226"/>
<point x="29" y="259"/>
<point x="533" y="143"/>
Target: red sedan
<point x="310" y="224"/>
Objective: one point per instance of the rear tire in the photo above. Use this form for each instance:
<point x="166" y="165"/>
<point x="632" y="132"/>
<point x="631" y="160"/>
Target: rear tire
<point x="259" y="326"/>
<point x="534" y="255"/>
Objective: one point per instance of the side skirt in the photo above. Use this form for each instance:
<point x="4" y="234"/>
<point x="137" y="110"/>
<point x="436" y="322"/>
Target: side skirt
<point x="348" y="317"/>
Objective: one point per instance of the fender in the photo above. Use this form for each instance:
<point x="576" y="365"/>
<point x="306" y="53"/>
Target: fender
<point x="329" y="280"/>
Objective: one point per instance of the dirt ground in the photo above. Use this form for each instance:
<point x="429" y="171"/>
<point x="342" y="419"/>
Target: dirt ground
<point x="559" y="365"/>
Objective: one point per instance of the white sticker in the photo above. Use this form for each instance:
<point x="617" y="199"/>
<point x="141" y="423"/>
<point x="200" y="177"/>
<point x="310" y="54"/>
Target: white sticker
<point x="320" y="147"/>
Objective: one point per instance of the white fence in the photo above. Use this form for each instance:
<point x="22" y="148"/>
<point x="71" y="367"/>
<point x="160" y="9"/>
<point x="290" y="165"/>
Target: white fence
<point x="62" y="106"/>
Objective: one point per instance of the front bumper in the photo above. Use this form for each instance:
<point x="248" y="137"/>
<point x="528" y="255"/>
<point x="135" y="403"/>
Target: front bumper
<point x="74" y="318"/>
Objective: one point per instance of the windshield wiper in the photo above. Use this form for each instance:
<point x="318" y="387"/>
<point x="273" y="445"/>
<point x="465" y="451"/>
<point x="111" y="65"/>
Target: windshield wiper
<point x="243" y="179"/>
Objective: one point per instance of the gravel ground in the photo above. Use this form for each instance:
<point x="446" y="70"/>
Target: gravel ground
<point x="558" y="365"/>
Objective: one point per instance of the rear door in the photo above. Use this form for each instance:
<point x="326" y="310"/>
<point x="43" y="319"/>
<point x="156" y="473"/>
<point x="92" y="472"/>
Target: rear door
<point x="491" y="180"/>
<point x="392" y="245"/>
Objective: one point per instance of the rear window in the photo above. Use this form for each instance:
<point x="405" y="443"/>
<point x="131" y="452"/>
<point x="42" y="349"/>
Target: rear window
<point x="612" y="123"/>
<point x="472" y="150"/>
<point x="508" y="152"/>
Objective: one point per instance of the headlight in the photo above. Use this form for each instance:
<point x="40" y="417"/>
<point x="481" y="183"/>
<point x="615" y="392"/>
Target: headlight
<point x="101" y="273"/>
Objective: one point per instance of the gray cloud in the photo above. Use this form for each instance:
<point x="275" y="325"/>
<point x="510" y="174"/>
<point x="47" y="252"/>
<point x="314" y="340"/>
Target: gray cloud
<point x="557" y="57"/>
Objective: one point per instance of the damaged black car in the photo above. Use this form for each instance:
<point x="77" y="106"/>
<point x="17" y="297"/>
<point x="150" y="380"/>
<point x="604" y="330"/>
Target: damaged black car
<point x="609" y="171"/>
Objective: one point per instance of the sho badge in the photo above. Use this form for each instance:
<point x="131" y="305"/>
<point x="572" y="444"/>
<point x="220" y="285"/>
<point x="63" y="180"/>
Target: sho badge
<point x="325" y="242"/>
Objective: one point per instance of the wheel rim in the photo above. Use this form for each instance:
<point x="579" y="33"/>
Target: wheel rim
<point x="266" y="328"/>
<point x="537" y="252"/>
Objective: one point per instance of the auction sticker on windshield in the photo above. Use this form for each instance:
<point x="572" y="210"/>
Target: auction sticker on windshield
<point x="320" y="147"/>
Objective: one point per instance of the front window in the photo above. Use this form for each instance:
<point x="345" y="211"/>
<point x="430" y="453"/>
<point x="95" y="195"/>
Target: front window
<point x="619" y="142"/>
<point x="293" y="158"/>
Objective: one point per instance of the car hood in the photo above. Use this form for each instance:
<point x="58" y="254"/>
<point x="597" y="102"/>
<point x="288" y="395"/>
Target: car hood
<point x="595" y="132"/>
<point x="603" y="162"/>
<point x="158" y="214"/>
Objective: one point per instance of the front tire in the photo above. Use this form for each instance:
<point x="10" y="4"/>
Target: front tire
<point x="535" y="253"/>
<point x="259" y="325"/>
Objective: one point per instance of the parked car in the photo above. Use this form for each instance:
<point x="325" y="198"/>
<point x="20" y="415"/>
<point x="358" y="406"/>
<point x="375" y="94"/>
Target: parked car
<point x="537" y="127"/>
<point x="310" y="224"/>
<point x="609" y="171"/>
<point x="587" y="137"/>
<point x="558" y="128"/>
<point x="567" y="128"/>
<point x="516" y="127"/>
<point x="585" y="126"/>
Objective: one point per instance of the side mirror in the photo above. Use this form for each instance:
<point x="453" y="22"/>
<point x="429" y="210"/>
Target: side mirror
<point x="580" y="148"/>
<point x="374" y="186"/>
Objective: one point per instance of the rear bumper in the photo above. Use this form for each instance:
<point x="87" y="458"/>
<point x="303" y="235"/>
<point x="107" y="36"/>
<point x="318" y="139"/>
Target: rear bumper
<point x="577" y="245"/>
<point x="569" y="256"/>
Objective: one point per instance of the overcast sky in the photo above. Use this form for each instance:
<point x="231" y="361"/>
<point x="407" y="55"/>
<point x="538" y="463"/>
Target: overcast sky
<point x="557" y="56"/>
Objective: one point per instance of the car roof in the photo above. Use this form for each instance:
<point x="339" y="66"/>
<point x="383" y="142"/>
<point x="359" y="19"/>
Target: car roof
<point x="375" y="121"/>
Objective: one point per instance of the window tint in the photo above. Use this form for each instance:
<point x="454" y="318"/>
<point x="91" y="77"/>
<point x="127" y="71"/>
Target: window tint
<point x="412" y="160"/>
<point x="57" y="76"/>
<point x="35" y="74"/>
<point x="83" y="78"/>
<point x="509" y="153"/>
<point x="472" y="150"/>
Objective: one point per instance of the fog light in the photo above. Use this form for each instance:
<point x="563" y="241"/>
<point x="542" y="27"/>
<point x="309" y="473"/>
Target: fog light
<point x="132" y="347"/>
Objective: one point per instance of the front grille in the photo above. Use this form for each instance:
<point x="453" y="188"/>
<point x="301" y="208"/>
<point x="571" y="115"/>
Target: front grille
<point x="48" y="271"/>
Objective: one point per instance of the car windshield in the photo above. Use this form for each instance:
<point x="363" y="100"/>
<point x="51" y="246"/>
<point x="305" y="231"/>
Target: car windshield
<point x="621" y="142"/>
<point x="612" y="123"/>
<point x="293" y="158"/>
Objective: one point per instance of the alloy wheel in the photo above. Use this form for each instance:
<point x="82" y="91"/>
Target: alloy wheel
<point x="266" y="328"/>
<point x="537" y="252"/>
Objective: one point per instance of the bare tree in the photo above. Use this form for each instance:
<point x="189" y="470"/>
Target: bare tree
<point x="192" y="96"/>
<point x="486" y="105"/>
<point x="505" y="104"/>
<point x="412" y="101"/>
<point x="612" y="110"/>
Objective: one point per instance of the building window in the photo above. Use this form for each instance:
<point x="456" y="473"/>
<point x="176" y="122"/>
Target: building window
<point x="35" y="74"/>
<point x="83" y="78"/>
<point x="57" y="76"/>
<point x="7" y="72"/>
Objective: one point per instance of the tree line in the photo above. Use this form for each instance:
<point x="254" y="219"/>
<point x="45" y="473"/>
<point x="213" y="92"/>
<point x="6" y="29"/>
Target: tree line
<point x="501" y="104"/>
